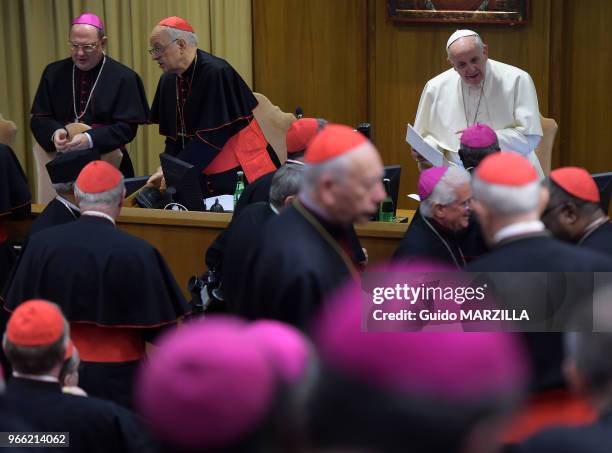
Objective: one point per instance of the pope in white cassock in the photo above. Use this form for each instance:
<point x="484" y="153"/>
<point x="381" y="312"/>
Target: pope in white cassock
<point x="479" y="90"/>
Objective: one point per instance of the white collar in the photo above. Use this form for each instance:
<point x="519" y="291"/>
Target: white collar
<point x="100" y="214"/>
<point x="274" y="210"/>
<point x="516" y="229"/>
<point x="67" y="203"/>
<point x="293" y="161"/>
<point x="36" y="377"/>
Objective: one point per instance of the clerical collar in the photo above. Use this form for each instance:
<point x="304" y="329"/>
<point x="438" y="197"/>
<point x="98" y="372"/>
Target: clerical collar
<point x="274" y="210"/>
<point x="295" y="162"/>
<point x="518" y="229"/>
<point x="36" y="377"/>
<point x="99" y="214"/>
<point x="69" y="205"/>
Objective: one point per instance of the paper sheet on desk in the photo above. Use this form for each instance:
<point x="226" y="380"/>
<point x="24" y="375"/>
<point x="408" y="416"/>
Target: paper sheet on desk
<point x="414" y="139"/>
<point x="227" y="201"/>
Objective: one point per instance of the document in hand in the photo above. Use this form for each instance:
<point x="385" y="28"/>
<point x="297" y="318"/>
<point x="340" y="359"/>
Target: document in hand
<point x="414" y="139"/>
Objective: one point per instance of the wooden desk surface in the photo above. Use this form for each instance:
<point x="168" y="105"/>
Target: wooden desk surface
<point x="183" y="237"/>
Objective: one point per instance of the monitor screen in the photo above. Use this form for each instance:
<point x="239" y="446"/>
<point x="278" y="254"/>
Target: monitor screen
<point x="604" y="184"/>
<point x="183" y="182"/>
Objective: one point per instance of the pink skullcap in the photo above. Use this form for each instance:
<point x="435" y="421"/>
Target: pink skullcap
<point x="206" y="386"/>
<point x="456" y="366"/>
<point x="285" y="346"/>
<point x="478" y="136"/>
<point x="176" y="22"/>
<point x="89" y="19"/>
<point x="507" y="169"/>
<point x="577" y="182"/>
<point x="333" y="141"/>
<point x="428" y="180"/>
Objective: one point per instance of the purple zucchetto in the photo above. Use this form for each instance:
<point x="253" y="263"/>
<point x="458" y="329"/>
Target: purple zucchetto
<point x="428" y="180"/>
<point x="285" y="346"/>
<point x="89" y="19"/>
<point x="478" y="136"/>
<point x="206" y="386"/>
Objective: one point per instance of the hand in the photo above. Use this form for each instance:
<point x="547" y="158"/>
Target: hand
<point x="78" y="142"/>
<point x="157" y="179"/>
<point x="60" y="139"/>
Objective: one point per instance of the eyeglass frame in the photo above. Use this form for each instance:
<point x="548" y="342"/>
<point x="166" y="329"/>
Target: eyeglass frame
<point x="156" y="52"/>
<point x="86" y="48"/>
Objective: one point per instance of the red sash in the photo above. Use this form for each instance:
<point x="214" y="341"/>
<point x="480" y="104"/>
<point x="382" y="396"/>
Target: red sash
<point x="246" y="148"/>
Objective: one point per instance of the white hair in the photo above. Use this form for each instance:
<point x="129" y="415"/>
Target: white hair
<point x="504" y="200"/>
<point x="110" y="198"/>
<point x="286" y="182"/>
<point x="188" y="37"/>
<point x="477" y="40"/>
<point x="445" y="192"/>
<point x="64" y="187"/>
<point x="313" y="172"/>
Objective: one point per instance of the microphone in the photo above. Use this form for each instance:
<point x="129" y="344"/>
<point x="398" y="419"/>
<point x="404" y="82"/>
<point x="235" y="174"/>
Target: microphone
<point x="299" y="113"/>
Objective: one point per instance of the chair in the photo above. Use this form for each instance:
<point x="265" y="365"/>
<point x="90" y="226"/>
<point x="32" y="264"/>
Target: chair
<point x="44" y="189"/>
<point x="8" y="130"/>
<point x="545" y="147"/>
<point x="274" y="124"/>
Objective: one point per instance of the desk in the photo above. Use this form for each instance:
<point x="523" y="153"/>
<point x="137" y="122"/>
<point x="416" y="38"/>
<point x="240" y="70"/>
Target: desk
<point x="183" y="237"/>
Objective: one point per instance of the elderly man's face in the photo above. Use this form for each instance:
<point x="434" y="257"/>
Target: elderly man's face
<point x="356" y="194"/>
<point x="468" y="59"/>
<point x="165" y="52"/>
<point x="86" y="49"/>
<point x="456" y="216"/>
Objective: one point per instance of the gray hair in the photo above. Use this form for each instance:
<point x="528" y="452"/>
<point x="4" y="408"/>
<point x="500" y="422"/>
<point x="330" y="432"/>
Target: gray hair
<point x="314" y="172"/>
<point x="477" y="41"/>
<point x="287" y="181"/>
<point x="504" y="200"/>
<point x="445" y="191"/>
<point x="110" y="198"/>
<point x="64" y="187"/>
<point x="188" y="37"/>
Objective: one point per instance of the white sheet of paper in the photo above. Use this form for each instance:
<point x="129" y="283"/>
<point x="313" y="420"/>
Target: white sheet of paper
<point x="227" y="201"/>
<point x="430" y="153"/>
<point x="414" y="196"/>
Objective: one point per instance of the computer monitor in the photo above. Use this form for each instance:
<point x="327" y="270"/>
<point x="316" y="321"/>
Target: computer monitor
<point x="393" y="173"/>
<point x="604" y="184"/>
<point x="183" y="182"/>
<point x="134" y="184"/>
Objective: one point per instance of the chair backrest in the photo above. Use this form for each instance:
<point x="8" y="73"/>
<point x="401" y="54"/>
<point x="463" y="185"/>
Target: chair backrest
<point x="545" y="147"/>
<point x="274" y="124"/>
<point x="8" y="130"/>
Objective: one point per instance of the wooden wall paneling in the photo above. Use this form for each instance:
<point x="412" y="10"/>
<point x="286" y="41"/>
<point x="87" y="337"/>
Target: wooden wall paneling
<point x="312" y="54"/>
<point x="408" y="55"/>
<point x="587" y="90"/>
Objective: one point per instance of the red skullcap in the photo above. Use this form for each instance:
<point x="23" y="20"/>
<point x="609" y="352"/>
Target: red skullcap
<point x="98" y="176"/>
<point x="176" y="22"/>
<point x="428" y="180"/>
<point x="35" y="323"/>
<point x="507" y="169"/>
<point x="478" y="136"/>
<point x="333" y="141"/>
<point x="301" y="133"/>
<point x="577" y="182"/>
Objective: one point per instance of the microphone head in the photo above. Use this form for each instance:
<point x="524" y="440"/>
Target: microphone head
<point x="299" y="113"/>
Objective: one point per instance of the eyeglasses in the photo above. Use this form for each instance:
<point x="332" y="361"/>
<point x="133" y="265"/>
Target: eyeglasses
<point x="157" y="51"/>
<point x="464" y="204"/>
<point x="87" y="48"/>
